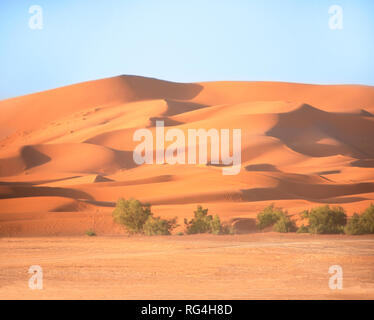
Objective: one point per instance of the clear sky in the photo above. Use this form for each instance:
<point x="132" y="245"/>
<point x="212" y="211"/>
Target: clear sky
<point x="184" y="40"/>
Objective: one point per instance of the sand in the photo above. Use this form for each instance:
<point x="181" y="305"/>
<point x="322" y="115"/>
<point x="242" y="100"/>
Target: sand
<point x="257" y="266"/>
<point x="66" y="154"/>
<point x="66" y="157"/>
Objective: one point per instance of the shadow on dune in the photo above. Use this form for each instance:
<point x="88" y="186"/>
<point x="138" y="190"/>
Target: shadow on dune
<point x="262" y="167"/>
<point x="219" y="165"/>
<point x="7" y="192"/>
<point x="178" y="107"/>
<point x="37" y="182"/>
<point x="175" y="107"/>
<point x="285" y="190"/>
<point x="32" y="157"/>
<point x="306" y="129"/>
<point x="28" y="158"/>
<point x="363" y="163"/>
<point x="125" y="159"/>
<point x="366" y="113"/>
<point x="74" y="206"/>
<point x="324" y="173"/>
<point x="155" y="179"/>
<point x="313" y="192"/>
<point x="167" y="122"/>
<point x="338" y="200"/>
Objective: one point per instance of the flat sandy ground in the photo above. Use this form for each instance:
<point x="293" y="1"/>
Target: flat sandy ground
<point x="256" y="266"/>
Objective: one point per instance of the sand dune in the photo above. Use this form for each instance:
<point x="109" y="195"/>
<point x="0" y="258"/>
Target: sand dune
<point x="66" y="154"/>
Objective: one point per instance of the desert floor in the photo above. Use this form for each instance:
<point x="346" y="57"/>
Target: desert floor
<point x="254" y="266"/>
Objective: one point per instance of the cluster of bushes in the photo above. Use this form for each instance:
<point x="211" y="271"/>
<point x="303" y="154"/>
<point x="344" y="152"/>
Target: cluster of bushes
<point x="324" y="220"/>
<point x="276" y="217"/>
<point x="321" y="220"/>
<point x="204" y="223"/>
<point x="331" y="220"/>
<point x="138" y="218"/>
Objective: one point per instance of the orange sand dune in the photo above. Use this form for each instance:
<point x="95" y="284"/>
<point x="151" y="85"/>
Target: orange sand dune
<point x="66" y="154"/>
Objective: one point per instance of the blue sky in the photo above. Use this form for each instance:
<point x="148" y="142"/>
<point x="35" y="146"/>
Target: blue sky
<point x="184" y="40"/>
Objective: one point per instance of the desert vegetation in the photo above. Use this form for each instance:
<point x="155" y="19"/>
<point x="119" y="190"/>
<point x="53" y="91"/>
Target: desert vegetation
<point x="319" y="220"/>
<point x="276" y="217"/>
<point x="330" y="220"/>
<point x="157" y="226"/>
<point x="204" y="223"/>
<point x="137" y="218"/>
<point x="361" y="224"/>
<point x="324" y="220"/>
<point x="90" y="233"/>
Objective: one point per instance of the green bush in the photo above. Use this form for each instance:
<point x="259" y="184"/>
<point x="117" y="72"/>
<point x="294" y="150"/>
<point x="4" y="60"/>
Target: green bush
<point x="90" y="233"/>
<point x="268" y="217"/>
<point x="361" y="224"/>
<point x="132" y="214"/>
<point x="303" y="229"/>
<point x="304" y="214"/>
<point x="216" y="225"/>
<point x="137" y="217"/>
<point x="157" y="226"/>
<point x="367" y="219"/>
<point x="326" y="220"/>
<point x="201" y="223"/>
<point x="284" y="224"/>
<point x="276" y="217"/>
<point x="354" y="226"/>
<point x="204" y="223"/>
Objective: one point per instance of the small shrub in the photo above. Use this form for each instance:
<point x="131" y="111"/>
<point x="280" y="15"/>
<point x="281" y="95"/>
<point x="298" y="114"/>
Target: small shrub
<point x="303" y="229"/>
<point x="361" y="224"/>
<point x="268" y="217"/>
<point x="157" y="226"/>
<point x="304" y="214"/>
<point x="132" y="214"/>
<point x="276" y="217"/>
<point x="180" y="233"/>
<point x="367" y="219"/>
<point x="201" y="223"/>
<point x="137" y="217"/>
<point x="326" y="220"/>
<point x="90" y="233"/>
<point x="204" y="223"/>
<point x="284" y="224"/>
<point x="354" y="226"/>
<point x="216" y="226"/>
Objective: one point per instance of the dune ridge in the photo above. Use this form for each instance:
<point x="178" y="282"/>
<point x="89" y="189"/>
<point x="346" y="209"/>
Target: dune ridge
<point x="66" y="153"/>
